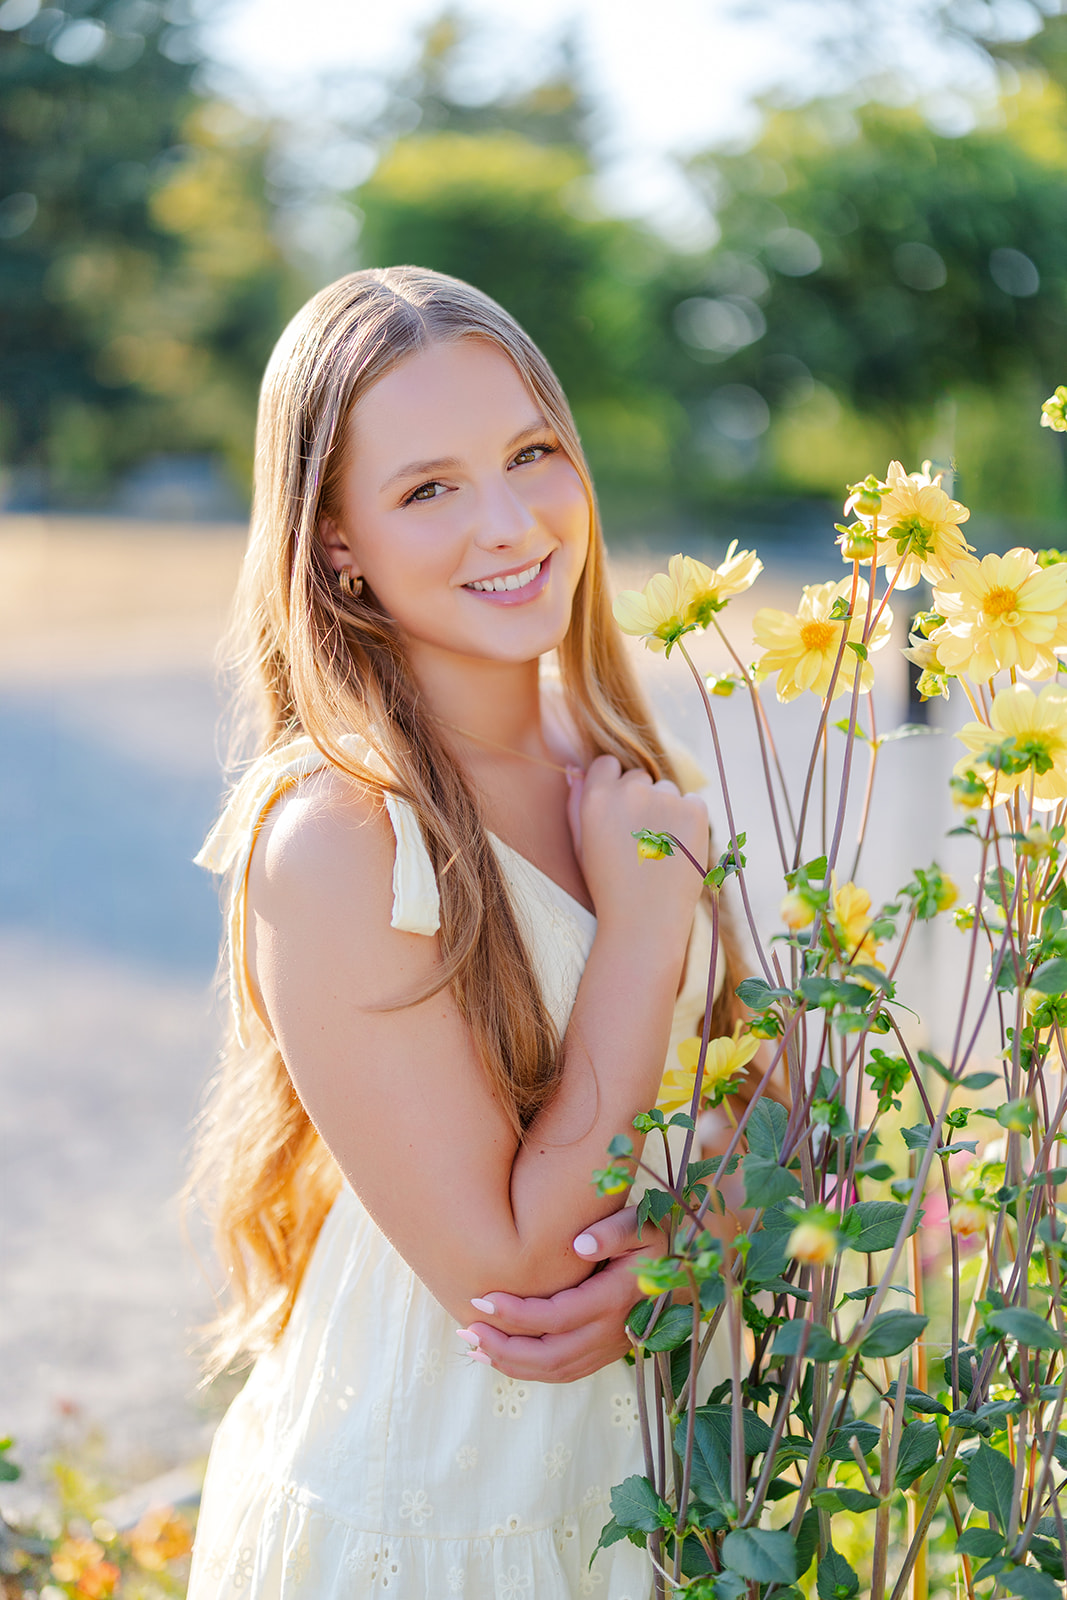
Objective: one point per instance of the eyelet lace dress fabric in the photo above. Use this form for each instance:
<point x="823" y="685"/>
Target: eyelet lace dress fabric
<point x="367" y="1454"/>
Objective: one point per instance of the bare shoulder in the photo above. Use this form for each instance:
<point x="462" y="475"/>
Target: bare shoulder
<point x="327" y="825"/>
<point x="320" y="889"/>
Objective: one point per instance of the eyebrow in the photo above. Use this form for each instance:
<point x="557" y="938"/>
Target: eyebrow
<point x="418" y="469"/>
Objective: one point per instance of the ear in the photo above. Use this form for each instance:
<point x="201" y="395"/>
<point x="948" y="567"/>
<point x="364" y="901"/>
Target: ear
<point x="335" y="543"/>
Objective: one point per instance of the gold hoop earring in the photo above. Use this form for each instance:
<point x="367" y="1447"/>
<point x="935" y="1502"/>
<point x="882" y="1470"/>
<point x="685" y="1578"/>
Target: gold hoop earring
<point x="351" y="587"/>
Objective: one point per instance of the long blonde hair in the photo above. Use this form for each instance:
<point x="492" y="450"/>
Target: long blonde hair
<point x="311" y="660"/>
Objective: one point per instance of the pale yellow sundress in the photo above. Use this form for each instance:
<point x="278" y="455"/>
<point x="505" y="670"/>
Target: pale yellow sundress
<point x="367" y="1453"/>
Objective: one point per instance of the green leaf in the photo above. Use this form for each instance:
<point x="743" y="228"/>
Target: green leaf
<point x="1031" y="1584"/>
<point x="766" y="1256"/>
<point x="672" y="1329"/>
<point x="839" y="1499"/>
<point x="756" y="1433"/>
<point x="835" y="1579"/>
<point x="979" y="1542"/>
<point x="916" y="1138"/>
<point x="621" y="1146"/>
<point x="918" y="1450"/>
<point x="1025" y="1326"/>
<point x="766" y="1182"/>
<point x="757" y="995"/>
<point x="866" y="1435"/>
<point x="635" y="1504"/>
<point x="893" y="1332"/>
<point x="9" y="1472"/>
<point x="990" y="1481"/>
<point x="807" y="1541"/>
<point x="761" y="1555"/>
<point x="821" y="1346"/>
<point x="1051" y="977"/>
<point x="765" y="1130"/>
<point x="711" y="1460"/>
<point x="919" y="1400"/>
<point x="611" y="1533"/>
<point x="980" y="1080"/>
<point x="880" y="1222"/>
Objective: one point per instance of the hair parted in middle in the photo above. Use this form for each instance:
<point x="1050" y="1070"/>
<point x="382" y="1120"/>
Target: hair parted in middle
<point x="311" y="660"/>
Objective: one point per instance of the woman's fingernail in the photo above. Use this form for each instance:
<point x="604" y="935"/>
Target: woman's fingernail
<point x="471" y="1338"/>
<point x="485" y="1306"/>
<point x="586" y="1245"/>
<point x="480" y="1355"/>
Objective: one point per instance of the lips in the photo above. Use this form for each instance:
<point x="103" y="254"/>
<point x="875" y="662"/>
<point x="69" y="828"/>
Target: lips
<point x="519" y="593"/>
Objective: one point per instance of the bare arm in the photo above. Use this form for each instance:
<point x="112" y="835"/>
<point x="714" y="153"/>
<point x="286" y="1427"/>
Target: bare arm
<point x="399" y="1096"/>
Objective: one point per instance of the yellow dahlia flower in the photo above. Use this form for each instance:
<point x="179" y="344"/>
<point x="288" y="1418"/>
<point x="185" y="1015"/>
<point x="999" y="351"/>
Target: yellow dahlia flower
<point x="1003" y="611"/>
<point x="686" y="596"/>
<point x="968" y="1219"/>
<point x="852" y="920"/>
<point x="918" y="532"/>
<point x="1038" y="726"/>
<point x="725" y="1058"/>
<point x="814" y="1239"/>
<point x="709" y="588"/>
<point x="802" y="648"/>
<point x="657" y="613"/>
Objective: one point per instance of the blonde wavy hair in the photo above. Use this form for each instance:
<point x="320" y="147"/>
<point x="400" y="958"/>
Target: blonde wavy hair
<point x="312" y="660"/>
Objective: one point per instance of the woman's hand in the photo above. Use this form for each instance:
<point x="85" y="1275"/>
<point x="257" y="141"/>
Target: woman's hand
<point x="605" y="808"/>
<point x="579" y="1330"/>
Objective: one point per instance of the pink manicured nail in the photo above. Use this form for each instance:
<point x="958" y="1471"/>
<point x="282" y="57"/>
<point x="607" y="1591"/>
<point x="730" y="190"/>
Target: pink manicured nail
<point x="586" y="1245"/>
<point x="471" y="1338"/>
<point x="480" y="1355"/>
<point x="485" y="1306"/>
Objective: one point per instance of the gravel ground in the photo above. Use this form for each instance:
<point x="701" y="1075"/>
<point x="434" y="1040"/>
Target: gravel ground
<point x="108" y="1020"/>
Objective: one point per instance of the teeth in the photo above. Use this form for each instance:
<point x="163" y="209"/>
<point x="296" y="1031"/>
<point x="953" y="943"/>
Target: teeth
<point x="515" y="580"/>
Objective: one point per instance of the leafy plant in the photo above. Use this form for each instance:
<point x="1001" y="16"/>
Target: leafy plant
<point x="836" y="1453"/>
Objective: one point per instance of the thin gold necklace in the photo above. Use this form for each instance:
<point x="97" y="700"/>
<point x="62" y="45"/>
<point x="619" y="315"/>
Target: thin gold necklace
<point x="480" y="738"/>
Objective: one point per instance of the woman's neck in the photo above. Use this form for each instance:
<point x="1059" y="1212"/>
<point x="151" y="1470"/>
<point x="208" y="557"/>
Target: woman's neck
<point x="496" y="701"/>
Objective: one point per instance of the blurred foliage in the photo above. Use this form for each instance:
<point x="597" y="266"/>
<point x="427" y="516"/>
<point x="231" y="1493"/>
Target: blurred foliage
<point x="879" y="289"/>
<point x="918" y="281"/>
<point x="140" y="287"/>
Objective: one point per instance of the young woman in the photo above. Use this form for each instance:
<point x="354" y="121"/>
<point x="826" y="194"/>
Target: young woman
<point x="454" y="980"/>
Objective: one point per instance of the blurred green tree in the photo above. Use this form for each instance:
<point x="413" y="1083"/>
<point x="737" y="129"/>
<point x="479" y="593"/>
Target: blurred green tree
<point x="878" y="286"/>
<point x="139" y="283"/>
<point x="501" y="194"/>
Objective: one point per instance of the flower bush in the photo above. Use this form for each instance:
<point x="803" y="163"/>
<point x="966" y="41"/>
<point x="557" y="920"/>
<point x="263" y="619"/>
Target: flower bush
<point x="74" y="1552"/>
<point x="886" y="1427"/>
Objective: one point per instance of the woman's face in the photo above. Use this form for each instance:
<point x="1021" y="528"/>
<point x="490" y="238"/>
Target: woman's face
<point x="459" y="509"/>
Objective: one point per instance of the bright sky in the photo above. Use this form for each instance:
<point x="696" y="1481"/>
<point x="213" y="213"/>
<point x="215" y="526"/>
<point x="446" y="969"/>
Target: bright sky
<point x="672" y="76"/>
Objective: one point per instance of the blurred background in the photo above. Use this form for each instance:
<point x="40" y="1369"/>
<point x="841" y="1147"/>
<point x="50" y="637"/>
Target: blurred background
<point x="767" y="246"/>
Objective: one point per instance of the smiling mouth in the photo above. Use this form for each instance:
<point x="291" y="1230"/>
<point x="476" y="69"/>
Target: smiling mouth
<point x="514" y="580"/>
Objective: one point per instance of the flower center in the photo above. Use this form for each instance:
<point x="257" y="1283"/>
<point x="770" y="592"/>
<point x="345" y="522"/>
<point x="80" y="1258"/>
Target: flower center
<point x="818" y="635"/>
<point x="1001" y="603"/>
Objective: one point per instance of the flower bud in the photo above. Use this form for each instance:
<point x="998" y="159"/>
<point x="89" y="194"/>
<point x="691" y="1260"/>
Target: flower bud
<point x="652" y="846"/>
<point x="814" y="1239"/>
<point x="964" y="917"/>
<point x="932" y="686"/>
<point x="968" y="1219"/>
<point x="865" y="498"/>
<point x="856" y="543"/>
<point x="947" y="893"/>
<point x="1037" y="843"/>
<point x="1054" y="410"/>
<point x="796" y="911"/>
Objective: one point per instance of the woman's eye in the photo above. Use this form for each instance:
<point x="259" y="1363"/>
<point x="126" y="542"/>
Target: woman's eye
<point x="425" y="491"/>
<point x="533" y="452"/>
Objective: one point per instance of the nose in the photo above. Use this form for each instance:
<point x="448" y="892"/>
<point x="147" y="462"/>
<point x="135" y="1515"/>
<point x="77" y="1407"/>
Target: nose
<point x="504" y="519"/>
